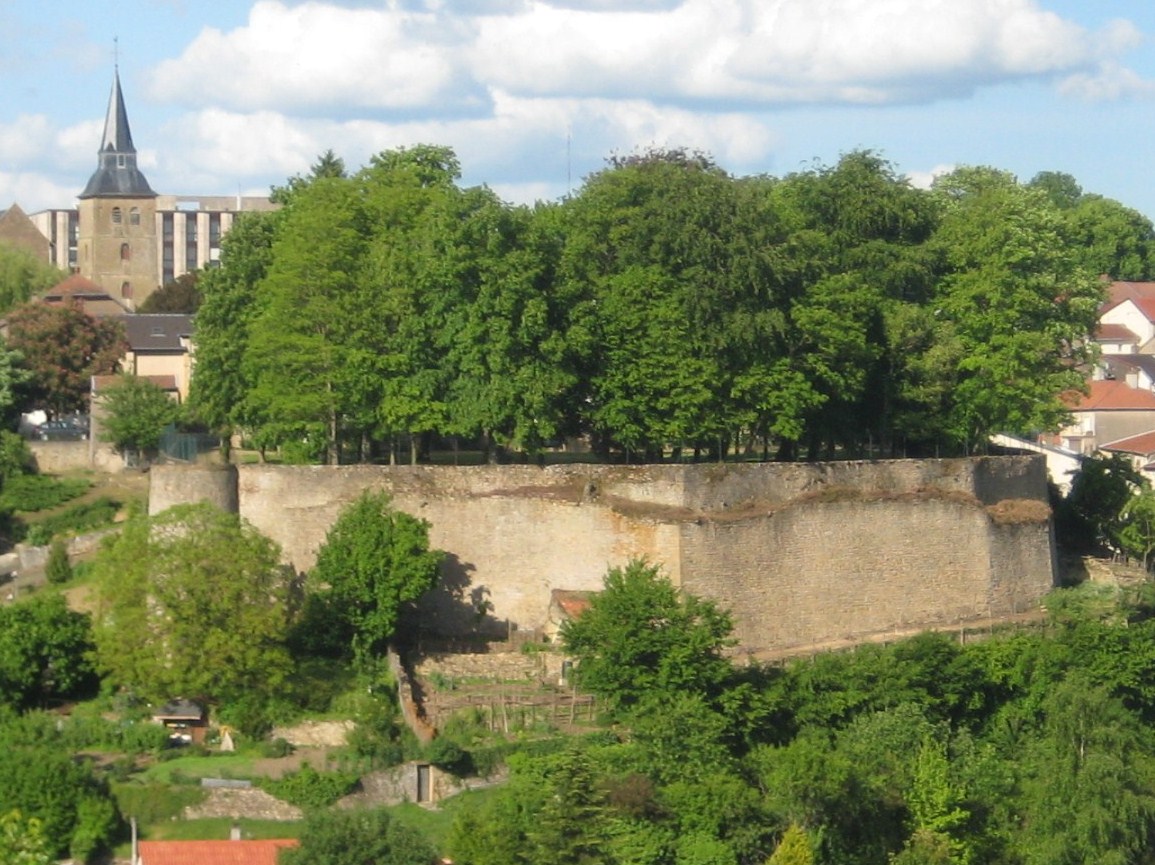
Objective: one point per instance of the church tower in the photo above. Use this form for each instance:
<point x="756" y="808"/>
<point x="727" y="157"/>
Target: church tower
<point x="117" y="244"/>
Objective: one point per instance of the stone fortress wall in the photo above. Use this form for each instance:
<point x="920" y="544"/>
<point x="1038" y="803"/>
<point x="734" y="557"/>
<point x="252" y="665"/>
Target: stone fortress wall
<point x="802" y="554"/>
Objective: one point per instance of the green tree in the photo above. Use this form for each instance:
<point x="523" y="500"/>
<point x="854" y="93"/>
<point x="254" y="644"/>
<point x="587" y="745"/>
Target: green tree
<point x="14" y="378"/>
<point x="339" y="837"/>
<point x="1090" y="518"/>
<point x="75" y="811"/>
<point x="63" y="347"/>
<point x="1110" y="239"/>
<point x="300" y="354"/>
<point x="136" y="412"/>
<point x="45" y="651"/>
<point x="193" y="602"/>
<point x="1018" y="301"/>
<point x="375" y="560"/>
<point x="642" y="637"/>
<point x="221" y="383"/>
<point x="23" y="275"/>
<point x="1137" y="532"/>
<point x="58" y="569"/>
<point x="1089" y="795"/>
<point x="182" y="296"/>
<point x="649" y="276"/>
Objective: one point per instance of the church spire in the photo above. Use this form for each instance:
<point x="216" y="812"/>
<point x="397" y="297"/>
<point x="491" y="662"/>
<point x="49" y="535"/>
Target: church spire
<point x="116" y="174"/>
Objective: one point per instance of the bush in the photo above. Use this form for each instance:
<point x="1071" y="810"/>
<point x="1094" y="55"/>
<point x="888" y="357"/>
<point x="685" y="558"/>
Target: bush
<point x="155" y="803"/>
<point x="58" y="570"/>
<point x="81" y="518"/>
<point x="30" y="493"/>
<point x="308" y="788"/>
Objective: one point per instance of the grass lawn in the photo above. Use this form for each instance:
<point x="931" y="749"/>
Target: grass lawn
<point x="183" y="769"/>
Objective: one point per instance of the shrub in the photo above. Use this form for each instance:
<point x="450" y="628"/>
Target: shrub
<point x="30" y="493"/>
<point x="58" y="570"/>
<point x="155" y="803"/>
<point x="80" y="518"/>
<point x="308" y="788"/>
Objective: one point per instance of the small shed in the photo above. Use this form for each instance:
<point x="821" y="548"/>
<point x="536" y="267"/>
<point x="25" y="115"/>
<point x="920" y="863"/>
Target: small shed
<point x="186" y="721"/>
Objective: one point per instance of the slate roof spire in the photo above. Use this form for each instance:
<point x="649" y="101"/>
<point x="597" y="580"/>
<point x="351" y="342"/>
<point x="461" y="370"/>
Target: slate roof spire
<point x="116" y="174"/>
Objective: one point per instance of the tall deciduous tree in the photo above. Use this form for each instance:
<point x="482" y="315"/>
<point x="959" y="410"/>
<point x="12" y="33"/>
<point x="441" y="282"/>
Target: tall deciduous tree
<point x="375" y="560"/>
<point x="64" y="347"/>
<point x="1018" y="301"/>
<point x="193" y="602"/>
<point x="299" y="351"/>
<point x="219" y="393"/>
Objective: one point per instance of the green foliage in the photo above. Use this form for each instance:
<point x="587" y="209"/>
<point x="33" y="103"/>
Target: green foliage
<point x="23" y="275"/>
<point x="76" y="812"/>
<point x="642" y="637"/>
<point x="58" y="569"/>
<point x="794" y="848"/>
<point x="181" y="296"/>
<point x="22" y="841"/>
<point x="356" y="837"/>
<point x="44" y="652"/>
<point x="136" y="413"/>
<point x="84" y="517"/>
<point x="375" y="560"/>
<point x="28" y="493"/>
<point x="155" y="803"/>
<point x="193" y="602"/>
<point x="1091" y="517"/>
<point x="307" y="788"/>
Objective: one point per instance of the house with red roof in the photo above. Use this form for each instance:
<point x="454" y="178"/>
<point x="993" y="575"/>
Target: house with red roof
<point x="233" y="852"/>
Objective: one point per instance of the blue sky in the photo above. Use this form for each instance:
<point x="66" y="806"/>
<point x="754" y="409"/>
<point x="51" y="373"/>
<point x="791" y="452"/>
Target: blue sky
<point x="233" y="96"/>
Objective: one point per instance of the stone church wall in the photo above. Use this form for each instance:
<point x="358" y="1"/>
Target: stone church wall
<point x="802" y="554"/>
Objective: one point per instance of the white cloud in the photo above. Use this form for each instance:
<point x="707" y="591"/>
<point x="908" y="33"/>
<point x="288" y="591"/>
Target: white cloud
<point x="926" y="179"/>
<point x="316" y="57"/>
<point x="33" y="191"/>
<point x="445" y="59"/>
<point x="1108" y="83"/>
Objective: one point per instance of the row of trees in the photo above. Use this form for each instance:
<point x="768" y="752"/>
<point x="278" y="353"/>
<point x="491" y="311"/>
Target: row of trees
<point x="665" y="305"/>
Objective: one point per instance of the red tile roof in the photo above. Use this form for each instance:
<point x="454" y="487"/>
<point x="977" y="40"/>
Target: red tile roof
<point x="1142" y="444"/>
<point x="1142" y="294"/>
<point x="1112" y="396"/>
<point x="213" y="852"/>
<point x="76" y="286"/>
<point x="1107" y="332"/>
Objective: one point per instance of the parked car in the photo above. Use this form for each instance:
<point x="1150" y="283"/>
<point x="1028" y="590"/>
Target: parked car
<point x="69" y="429"/>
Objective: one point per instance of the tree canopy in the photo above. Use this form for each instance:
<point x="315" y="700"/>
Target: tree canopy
<point x="193" y="602"/>
<point x="136" y="412"/>
<point x="666" y="309"/>
<point x="63" y="347"/>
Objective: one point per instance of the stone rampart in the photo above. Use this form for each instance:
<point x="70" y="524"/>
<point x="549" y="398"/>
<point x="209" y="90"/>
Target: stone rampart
<point x="800" y="553"/>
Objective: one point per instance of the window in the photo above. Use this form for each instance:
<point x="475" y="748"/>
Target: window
<point x="126" y="290"/>
<point x="116" y="216"/>
<point x="134" y="216"/>
<point x="125" y="252"/>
